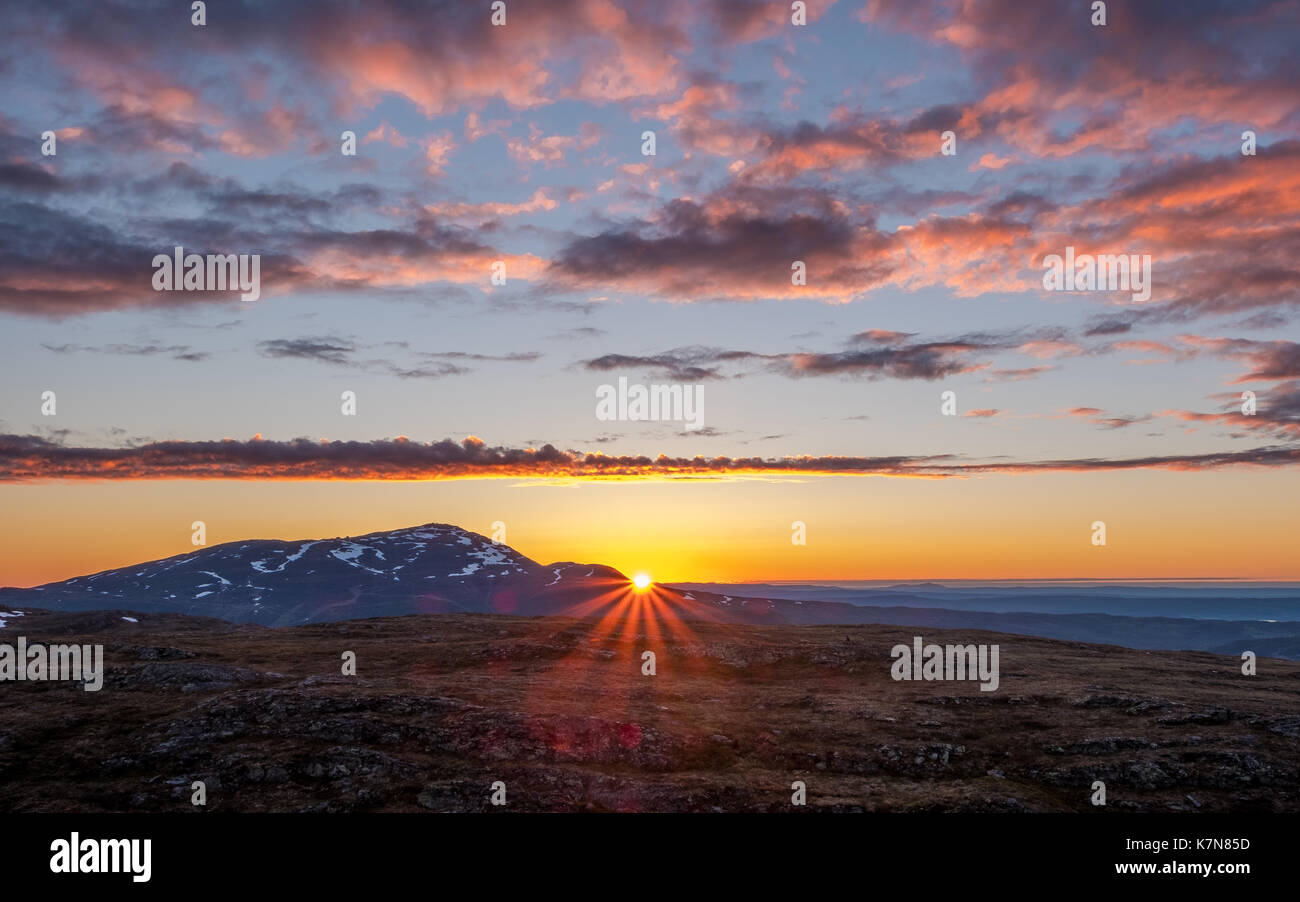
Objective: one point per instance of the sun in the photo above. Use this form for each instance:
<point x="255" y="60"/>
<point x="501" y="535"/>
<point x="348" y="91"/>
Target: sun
<point x="641" y="581"/>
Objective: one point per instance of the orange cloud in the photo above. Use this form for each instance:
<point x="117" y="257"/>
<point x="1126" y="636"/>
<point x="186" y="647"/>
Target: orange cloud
<point x="34" y="459"/>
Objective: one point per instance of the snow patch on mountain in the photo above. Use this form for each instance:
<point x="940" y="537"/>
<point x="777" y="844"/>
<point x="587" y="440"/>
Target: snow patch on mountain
<point x="257" y="565"/>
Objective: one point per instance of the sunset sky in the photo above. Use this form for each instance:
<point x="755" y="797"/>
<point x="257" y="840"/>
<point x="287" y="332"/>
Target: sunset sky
<point x="774" y="143"/>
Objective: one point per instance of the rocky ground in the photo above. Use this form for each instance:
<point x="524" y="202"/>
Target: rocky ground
<point x="558" y="709"/>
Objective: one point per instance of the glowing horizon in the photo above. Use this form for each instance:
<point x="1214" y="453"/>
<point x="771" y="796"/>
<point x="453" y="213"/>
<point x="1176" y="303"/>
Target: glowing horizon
<point x="856" y="529"/>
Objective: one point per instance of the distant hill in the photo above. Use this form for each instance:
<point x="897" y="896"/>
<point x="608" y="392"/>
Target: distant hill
<point x="435" y="568"/>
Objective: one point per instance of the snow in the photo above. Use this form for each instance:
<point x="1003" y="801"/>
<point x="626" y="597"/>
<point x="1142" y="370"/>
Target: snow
<point x="8" y="614"/>
<point x="130" y="620"/>
<point x="201" y="594"/>
<point x="257" y="565"/>
<point x="491" y="556"/>
<point x="556" y="571"/>
<point x="351" y="551"/>
<point x="469" y="570"/>
<point x="177" y="563"/>
<point x="224" y="581"/>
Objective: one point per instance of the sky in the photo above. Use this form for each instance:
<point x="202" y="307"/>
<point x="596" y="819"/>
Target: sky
<point x="523" y="146"/>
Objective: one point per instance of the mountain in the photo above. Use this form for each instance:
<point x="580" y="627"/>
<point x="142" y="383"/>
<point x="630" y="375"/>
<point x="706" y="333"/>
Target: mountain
<point x="435" y="568"/>
<point x="1228" y="600"/>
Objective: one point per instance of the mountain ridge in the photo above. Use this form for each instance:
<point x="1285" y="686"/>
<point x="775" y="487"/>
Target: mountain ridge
<point x="430" y="568"/>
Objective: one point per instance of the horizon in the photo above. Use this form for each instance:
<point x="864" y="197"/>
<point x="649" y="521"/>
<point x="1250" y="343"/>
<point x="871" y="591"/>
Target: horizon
<point x="843" y="581"/>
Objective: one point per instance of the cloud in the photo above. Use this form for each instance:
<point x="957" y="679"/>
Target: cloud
<point x="34" y="459"/>
<point x="724" y="248"/>
<point x="22" y="176"/>
<point x="1277" y="414"/>
<point x="59" y="264"/>
<point x="387" y="134"/>
<point x="176" y="352"/>
<point x="1058" y="86"/>
<point x="553" y="149"/>
<point x="437" y="151"/>
<point x="991" y="161"/>
<point x="325" y="350"/>
<point x="679" y="365"/>
<point x="438" y="56"/>
<point x="1221" y="233"/>
<point x="1096" y="416"/>
<point x="923" y="361"/>
<point x="56" y="264"/>
<point x="1223" y="229"/>
<point x="1267" y="361"/>
<point x="886" y="355"/>
<point x="423" y="365"/>
<point x="541" y="200"/>
<point x="1017" y="375"/>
